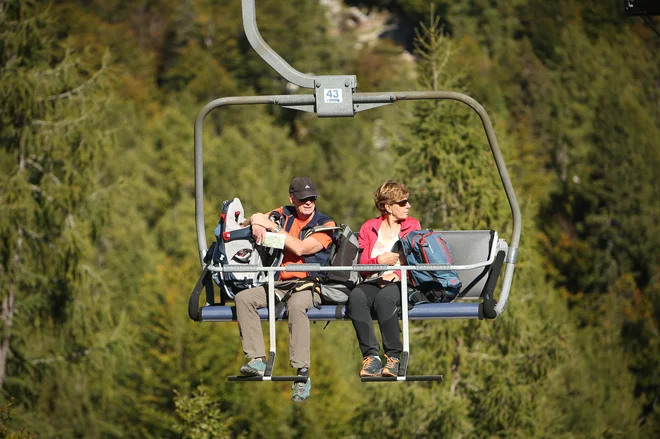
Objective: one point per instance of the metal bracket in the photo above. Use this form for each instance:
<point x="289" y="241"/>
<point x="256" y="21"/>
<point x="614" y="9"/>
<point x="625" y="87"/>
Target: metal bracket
<point x="334" y="95"/>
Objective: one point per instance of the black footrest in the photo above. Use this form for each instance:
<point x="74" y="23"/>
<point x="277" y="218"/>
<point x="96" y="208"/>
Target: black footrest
<point x="296" y="378"/>
<point x="402" y="378"/>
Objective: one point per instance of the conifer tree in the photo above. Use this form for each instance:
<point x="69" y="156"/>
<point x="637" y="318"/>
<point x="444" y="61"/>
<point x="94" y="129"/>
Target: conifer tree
<point x="57" y="129"/>
<point x="443" y="155"/>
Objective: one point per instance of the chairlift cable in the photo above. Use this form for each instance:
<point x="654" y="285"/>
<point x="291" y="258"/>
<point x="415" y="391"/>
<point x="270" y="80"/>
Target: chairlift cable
<point x="649" y="22"/>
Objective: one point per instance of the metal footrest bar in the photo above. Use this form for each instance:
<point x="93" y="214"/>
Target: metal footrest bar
<point x="403" y="369"/>
<point x="296" y="378"/>
<point x="268" y="374"/>
<point x="405" y="378"/>
<point x="269" y="364"/>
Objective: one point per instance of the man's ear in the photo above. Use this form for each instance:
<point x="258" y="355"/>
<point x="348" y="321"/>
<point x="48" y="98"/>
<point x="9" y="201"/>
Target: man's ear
<point x="291" y="198"/>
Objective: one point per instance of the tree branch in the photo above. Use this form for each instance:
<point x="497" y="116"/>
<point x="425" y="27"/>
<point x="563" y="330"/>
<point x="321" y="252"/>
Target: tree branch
<point x="42" y="192"/>
<point x="58" y="124"/>
<point x="76" y="90"/>
<point x="8" y="311"/>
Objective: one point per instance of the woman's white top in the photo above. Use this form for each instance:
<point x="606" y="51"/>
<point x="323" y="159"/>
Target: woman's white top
<point x="383" y="245"/>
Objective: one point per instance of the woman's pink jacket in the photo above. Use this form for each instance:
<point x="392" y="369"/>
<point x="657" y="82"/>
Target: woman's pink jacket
<point x="369" y="235"/>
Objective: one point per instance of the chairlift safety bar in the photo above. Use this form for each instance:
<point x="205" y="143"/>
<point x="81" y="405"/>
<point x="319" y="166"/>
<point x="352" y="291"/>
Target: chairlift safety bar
<point x="357" y="267"/>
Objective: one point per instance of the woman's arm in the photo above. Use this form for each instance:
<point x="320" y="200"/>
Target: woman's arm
<point x="366" y="243"/>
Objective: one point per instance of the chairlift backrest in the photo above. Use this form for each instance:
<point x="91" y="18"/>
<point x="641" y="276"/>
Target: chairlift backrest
<point x="471" y="247"/>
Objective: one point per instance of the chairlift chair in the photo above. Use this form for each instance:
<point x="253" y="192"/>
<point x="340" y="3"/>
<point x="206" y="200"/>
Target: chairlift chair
<point x="479" y="255"/>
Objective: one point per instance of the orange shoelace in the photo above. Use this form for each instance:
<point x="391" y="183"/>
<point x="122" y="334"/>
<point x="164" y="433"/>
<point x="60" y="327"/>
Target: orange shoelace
<point x="391" y="362"/>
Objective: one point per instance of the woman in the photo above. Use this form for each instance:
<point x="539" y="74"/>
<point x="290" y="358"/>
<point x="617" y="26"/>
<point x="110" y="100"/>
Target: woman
<point x="381" y="292"/>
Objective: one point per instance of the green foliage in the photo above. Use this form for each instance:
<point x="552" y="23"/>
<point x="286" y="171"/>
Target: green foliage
<point x="97" y="241"/>
<point x="443" y="156"/>
<point x="594" y="386"/>
<point x="608" y="192"/>
<point x="200" y="417"/>
<point x="67" y="339"/>
<point x="413" y="12"/>
<point x="5" y="418"/>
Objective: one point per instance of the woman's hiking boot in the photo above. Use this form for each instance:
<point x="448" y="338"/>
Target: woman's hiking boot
<point x="391" y="368"/>
<point x="371" y="366"/>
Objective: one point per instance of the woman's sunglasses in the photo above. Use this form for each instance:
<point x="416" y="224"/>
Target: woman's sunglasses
<point x="401" y="203"/>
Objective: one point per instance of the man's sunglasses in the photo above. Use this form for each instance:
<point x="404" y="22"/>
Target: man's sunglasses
<point x="401" y="203"/>
<point x="304" y="200"/>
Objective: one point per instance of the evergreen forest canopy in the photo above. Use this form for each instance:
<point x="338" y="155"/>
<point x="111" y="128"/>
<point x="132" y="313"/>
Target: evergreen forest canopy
<point x="97" y="240"/>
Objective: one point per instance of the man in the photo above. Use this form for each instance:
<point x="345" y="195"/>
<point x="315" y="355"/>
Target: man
<point x="298" y="249"/>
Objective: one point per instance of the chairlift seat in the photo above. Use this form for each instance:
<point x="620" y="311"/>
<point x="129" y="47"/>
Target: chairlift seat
<point x="468" y="247"/>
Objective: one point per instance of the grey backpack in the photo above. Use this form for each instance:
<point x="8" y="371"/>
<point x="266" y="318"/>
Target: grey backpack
<point x="335" y="286"/>
<point x="235" y="246"/>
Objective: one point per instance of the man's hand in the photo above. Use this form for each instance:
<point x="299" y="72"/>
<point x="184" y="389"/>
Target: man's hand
<point x="260" y="219"/>
<point x="259" y="233"/>
<point x="260" y="223"/>
<point x="388" y="258"/>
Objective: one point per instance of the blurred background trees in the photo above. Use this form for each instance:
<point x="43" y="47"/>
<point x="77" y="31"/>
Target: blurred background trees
<point x="98" y="251"/>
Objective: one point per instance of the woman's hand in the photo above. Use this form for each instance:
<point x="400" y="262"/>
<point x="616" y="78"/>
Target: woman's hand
<point x="388" y="258"/>
<point x="391" y="277"/>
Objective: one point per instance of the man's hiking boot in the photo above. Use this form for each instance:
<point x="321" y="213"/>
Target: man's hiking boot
<point x="371" y="366"/>
<point x="391" y="368"/>
<point x="301" y="390"/>
<point x="256" y="367"/>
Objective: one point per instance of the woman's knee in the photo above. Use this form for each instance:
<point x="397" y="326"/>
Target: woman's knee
<point x="387" y="299"/>
<point x="357" y="298"/>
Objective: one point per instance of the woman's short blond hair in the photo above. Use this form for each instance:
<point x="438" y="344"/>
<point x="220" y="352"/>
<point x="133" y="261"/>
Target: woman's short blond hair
<point x="389" y="192"/>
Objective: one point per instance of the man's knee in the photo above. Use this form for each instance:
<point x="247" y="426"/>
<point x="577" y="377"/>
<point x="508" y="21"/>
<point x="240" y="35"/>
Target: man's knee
<point x="242" y="299"/>
<point x="300" y="302"/>
<point x="247" y="298"/>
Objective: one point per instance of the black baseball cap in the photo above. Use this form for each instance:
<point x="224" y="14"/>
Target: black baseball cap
<point x="303" y="187"/>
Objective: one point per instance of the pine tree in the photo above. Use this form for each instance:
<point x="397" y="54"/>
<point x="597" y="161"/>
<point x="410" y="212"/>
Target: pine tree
<point x="444" y="156"/>
<point x="57" y="324"/>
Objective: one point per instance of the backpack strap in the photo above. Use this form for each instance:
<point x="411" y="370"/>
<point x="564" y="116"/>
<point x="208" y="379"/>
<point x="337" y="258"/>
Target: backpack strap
<point x="314" y="225"/>
<point x="289" y="213"/>
<point x="316" y="220"/>
<point x="317" y="229"/>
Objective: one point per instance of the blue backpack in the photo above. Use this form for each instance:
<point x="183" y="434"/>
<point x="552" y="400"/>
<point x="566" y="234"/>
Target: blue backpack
<point x="429" y="247"/>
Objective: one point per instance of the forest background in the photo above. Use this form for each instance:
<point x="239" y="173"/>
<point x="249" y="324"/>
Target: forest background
<point x="97" y="241"/>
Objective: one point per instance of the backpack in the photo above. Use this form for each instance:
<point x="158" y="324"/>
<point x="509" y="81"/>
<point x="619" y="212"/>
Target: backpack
<point x="234" y="246"/>
<point x="335" y="286"/>
<point x="429" y="247"/>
